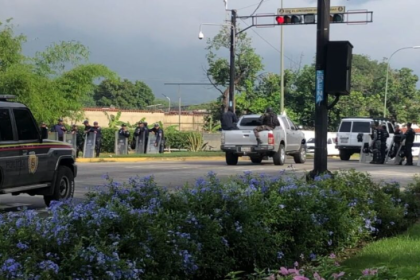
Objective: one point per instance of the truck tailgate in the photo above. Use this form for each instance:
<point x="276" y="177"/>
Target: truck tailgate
<point x="244" y="137"/>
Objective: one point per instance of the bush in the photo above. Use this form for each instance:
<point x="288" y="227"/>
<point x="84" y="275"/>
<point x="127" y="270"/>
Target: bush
<point x="138" y="230"/>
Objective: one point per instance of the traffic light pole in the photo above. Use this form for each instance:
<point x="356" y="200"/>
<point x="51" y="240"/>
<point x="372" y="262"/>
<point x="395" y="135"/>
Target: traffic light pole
<point x="321" y="106"/>
<point x="232" y="62"/>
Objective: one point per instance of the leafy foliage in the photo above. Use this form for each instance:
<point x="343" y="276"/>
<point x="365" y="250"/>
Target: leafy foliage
<point x="53" y="84"/>
<point x="138" y="230"/>
<point x="123" y="94"/>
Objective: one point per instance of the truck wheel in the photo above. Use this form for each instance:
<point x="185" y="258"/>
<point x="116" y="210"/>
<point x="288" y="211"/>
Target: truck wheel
<point x="279" y="157"/>
<point x="63" y="186"/>
<point x="301" y="156"/>
<point x="256" y="160"/>
<point x="231" y="159"/>
<point x="345" y="155"/>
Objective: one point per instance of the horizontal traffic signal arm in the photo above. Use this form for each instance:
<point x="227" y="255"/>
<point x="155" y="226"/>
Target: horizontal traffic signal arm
<point x="351" y="17"/>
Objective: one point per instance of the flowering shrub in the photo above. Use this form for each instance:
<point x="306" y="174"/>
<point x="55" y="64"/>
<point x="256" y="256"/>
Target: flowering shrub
<point x="137" y="230"/>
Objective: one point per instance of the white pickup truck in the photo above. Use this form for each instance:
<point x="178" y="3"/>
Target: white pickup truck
<point x="285" y="139"/>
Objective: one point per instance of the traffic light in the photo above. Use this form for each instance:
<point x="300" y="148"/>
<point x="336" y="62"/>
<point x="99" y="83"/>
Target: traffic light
<point x="306" y="19"/>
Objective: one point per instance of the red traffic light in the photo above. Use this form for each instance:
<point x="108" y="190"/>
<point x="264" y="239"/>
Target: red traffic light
<point x="280" y="20"/>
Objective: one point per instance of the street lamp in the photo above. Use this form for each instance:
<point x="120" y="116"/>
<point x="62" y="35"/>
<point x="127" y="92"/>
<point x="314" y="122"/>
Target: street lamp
<point x="387" y="72"/>
<point x="169" y="106"/>
<point x="282" y="67"/>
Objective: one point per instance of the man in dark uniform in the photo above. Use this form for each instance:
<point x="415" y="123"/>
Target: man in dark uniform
<point x="60" y="129"/>
<point x="44" y="131"/>
<point x="397" y="142"/>
<point x="160" y="138"/>
<point x="98" y="131"/>
<point x="123" y="131"/>
<point x="269" y="122"/>
<point x="229" y="120"/>
<point x="409" y="136"/>
<point x="139" y="132"/>
<point x="79" y="139"/>
<point x="383" y="144"/>
<point x="146" y="137"/>
<point x="378" y="134"/>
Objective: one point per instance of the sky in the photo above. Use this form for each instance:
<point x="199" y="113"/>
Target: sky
<point x="156" y="41"/>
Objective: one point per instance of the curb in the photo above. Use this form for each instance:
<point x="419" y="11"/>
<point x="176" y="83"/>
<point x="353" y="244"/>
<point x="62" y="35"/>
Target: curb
<point x="99" y="160"/>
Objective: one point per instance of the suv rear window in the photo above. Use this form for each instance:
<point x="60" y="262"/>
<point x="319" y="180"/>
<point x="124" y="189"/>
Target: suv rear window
<point x="363" y="127"/>
<point x="250" y="122"/>
<point x="345" y="127"/>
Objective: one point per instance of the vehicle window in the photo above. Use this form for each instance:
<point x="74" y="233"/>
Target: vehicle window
<point x="292" y="125"/>
<point x="250" y="122"/>
<point x="390" y="128"/>
<point x="311" y="140"/>
<point x="329" y="141"/>
<point x="345" y="127"/>
<point x="25" y="125"/>
<point x="6" y="131"/>
<point x="285" y="122"/>
<point x="363" y="127"/>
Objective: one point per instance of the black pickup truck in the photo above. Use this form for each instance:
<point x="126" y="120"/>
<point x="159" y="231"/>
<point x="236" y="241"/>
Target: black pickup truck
<point x="28" y="163"/>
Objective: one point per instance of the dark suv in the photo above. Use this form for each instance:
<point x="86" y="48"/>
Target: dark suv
<point x="28" y="163"/>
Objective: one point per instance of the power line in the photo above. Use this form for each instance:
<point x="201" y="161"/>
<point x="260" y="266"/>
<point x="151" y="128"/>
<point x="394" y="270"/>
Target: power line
<point x="259" y="5"/>
<point x="243" y="8"/>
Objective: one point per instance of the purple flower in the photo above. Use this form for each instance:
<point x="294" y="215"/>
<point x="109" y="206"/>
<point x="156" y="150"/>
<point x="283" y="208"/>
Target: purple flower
<point x="280" y="255"/>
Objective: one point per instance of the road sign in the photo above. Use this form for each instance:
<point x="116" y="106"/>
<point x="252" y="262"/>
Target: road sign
<point x="319" y="86"/>
<point x="314" y="10"/>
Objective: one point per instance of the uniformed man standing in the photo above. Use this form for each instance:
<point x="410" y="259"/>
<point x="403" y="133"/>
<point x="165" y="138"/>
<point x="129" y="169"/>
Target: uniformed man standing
<point x="383" y="144"/>
<point x="269" y="122"/>
<point x="146" y="137"/>
<point x="123" y="131"/>
<point x="409" y="136"/>
<point x="98" y="131"/>
<point x="79" y="139"/>
<point x="160" y="138"/>
<point x="60" y="129"/>
<point x="376" y="143"/>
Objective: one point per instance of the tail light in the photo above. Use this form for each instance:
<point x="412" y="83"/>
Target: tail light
<point x="270" y="138"/>
<point x="336" y="140"/>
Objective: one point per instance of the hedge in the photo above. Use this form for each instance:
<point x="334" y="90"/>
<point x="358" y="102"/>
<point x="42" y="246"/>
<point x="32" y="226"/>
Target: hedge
<point x="138" y="230"/>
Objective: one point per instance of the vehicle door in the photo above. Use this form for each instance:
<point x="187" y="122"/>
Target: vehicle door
<point x="362" y="126"/>
<point x="288" y="134"/>
<point x="10" y="160"/>
<point x="343" y="134"/>
<point x="34" y="154"/>
<point x="391" y="132"/>
<point x="297" y="141"/>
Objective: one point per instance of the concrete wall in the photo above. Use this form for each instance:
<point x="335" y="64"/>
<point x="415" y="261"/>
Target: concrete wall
<point x="189" y="121"/>
<point x="213" y="141"/>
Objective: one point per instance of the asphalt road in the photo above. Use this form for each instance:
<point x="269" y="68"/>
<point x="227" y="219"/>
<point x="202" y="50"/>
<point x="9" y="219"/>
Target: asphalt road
<point x="176" y="173"/>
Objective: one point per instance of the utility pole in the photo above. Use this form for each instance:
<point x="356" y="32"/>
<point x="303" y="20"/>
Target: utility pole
<point x="282" y="66"/>
<point x="321" y="106"/>
<point x="232" y="62"/>
<point x="179" y="107"/>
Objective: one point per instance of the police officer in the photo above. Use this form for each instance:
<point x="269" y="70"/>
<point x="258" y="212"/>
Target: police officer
<point x="383" y="143"/>
<point x="79" y="139"/>
<point x="123" y="131"/>
<point x="44" y="130"/>
<point x="159" y="137"/>
<point x="409" y="136"/>
<point x="60" y="129"/>
<point x="146" y="137"/>
<point x="397" y="142"/>
<point x="139" y="132"/>
<point x="96" y="129"/>
<point x="229" y="120"/>
<point x="377" y="134"/>
<point x="269" y="122"/>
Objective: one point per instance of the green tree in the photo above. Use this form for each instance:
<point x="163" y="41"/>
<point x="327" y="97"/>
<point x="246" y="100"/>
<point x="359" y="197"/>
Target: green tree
<point x="53" y="83"/>
<point x="248" y="63"/>
<point x="123" y="94"/>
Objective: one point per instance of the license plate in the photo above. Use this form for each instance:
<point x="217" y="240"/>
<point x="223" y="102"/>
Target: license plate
<point x="245" y="149"/>
<point x="344" y="140"/>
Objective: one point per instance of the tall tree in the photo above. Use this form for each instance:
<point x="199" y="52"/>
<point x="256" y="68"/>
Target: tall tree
<point x="247" y="66"/>
<point x="54" y="83"/>
<point x="123" y="94"/>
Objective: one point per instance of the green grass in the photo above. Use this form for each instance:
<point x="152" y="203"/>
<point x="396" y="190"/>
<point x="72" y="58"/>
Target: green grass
<point x="166" y="154"/>
<point x="401" y="254"/>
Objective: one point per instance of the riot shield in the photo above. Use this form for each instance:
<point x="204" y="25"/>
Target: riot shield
<point x="53" y="136"/>
<point x="151" y="149"/>
<point x="71" y="139"/>
<point x="121" y="144"/>
<point x="365" y="152"/>
<point x="140" y="143"/>
<point x="89" y="145"/>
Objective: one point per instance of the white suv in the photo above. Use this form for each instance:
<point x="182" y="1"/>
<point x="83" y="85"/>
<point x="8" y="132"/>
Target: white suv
<point x="347" y="142"/>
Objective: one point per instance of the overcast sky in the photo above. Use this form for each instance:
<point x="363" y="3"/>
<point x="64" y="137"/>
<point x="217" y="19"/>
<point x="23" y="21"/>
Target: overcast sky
<point x="156" y="41"/>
